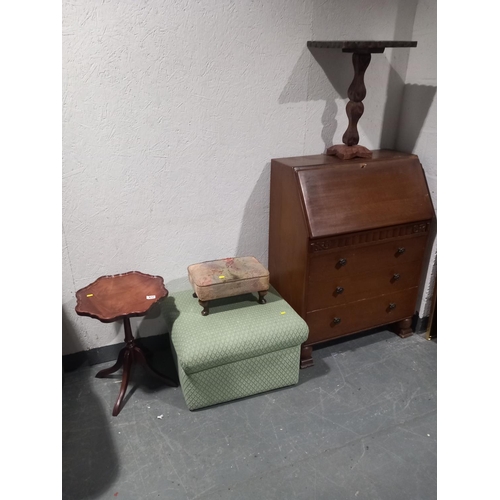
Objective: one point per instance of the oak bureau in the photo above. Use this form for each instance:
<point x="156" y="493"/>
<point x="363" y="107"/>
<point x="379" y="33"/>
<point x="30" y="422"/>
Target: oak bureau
<point x="347" y="241"/>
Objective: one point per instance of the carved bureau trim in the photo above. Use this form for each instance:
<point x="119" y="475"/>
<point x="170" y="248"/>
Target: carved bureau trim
<point x="368" y="236"/>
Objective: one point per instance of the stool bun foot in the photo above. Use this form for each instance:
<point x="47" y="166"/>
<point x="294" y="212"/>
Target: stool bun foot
<point x="204" y="304"/>
<point x="262" y="300"/>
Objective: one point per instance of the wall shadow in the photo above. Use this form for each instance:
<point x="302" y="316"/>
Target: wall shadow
<point x="178" y="284"/>
<point x="152" y="323"/>
<point x="338" y="69"/>
<point x="417" y="101"/>
<point x="328" y="75"/>
<point x="153" y="338"/>
<point x="403" y="30"/>
<point x="392" y="109"/>
<point x="90" y="462"/>
<point x="325" y="81"/>
<point x="72" y="343"/>
<point x="255" y="221"/>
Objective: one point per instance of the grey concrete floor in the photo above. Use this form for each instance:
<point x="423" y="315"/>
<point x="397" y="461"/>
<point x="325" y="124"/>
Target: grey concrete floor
<point x="360" y="424"/>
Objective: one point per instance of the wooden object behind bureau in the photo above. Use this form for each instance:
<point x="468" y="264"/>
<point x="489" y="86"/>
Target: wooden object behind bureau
<point x="347" y="240"/>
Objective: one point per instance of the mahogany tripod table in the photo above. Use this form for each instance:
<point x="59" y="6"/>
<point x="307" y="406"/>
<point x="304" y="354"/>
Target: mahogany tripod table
<point x="110" y="298"/>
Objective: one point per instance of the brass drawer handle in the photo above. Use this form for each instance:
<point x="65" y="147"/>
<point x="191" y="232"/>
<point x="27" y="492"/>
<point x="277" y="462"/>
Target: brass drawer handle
<point x="339" y="289"/>
<point x="401" y="250"/>
<point x="392" y="306"/>
<point x="395" y="277"/>
<point x="342" y="262"/>
<point x="335" y="321"/>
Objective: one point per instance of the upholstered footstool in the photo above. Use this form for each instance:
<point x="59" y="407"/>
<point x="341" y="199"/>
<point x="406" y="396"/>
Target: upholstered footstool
<point x="240" y="349"/>
<point x="216" y="279"/>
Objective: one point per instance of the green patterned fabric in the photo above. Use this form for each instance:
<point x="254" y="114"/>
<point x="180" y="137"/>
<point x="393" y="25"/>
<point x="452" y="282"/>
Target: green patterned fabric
<point x="241" y="378"/>
<point x="237" y="328"/>
<point x="241" y="348"/>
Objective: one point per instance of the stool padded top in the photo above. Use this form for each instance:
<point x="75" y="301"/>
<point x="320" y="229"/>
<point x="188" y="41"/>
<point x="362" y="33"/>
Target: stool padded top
<point x="237" y="328"/>
<point x="215" y="272"/>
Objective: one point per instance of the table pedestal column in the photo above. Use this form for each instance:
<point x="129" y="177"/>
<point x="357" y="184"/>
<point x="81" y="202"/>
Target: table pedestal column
<point x="129" y="355"/>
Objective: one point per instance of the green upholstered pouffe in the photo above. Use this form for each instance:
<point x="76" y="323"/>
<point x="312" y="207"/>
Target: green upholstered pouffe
<point x="241" y="348"/>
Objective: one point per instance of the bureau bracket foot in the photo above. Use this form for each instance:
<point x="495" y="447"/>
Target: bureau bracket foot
<point x="306" y="356"/>
<point x="403" y="328"/>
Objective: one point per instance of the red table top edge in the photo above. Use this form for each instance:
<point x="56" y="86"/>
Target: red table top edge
<point x="83" y="312"/>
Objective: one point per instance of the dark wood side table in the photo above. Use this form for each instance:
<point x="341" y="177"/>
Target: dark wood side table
<point x="110" y="298"/>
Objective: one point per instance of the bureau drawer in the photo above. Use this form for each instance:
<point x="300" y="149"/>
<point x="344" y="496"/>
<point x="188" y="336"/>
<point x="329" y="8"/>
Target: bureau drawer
<point x="337" y="321"/>
<point x="344" y="288"/>
<point x="365" y="259"/>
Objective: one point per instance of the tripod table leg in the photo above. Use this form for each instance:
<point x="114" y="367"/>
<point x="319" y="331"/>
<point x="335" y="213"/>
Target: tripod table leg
<point x="126" y="374"/>
<point x="115" y="367"/>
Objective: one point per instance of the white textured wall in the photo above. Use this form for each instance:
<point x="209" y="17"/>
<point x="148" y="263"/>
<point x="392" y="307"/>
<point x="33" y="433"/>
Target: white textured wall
<point x="418" y="120"/>
<point x="172" y="112"/>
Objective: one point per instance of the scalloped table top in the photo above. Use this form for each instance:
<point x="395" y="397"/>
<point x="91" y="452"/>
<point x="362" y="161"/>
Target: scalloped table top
<point x="112" y="297"/>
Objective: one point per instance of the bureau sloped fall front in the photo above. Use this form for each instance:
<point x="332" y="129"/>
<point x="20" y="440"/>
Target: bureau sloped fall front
<point x="348" y="240"/>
